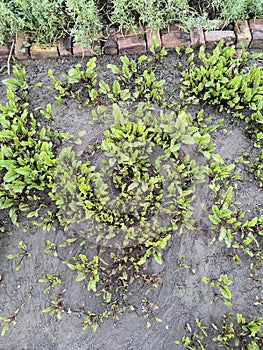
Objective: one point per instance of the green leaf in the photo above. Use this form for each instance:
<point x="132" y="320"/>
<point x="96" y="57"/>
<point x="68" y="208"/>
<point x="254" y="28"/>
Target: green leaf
<point x="142" y="260"/>
<point x="13" y="216"/>
<point x="104" y="87"/>
<point x="217" y="158"/>
<point x="116" y="87"/>
<point x="11" y="175"/>
<point x="253" y="222"/>
<point x="46" y="310"/>
<point x="6" y="164"/>
<point x="222" y="234"/>
<point x="252" y="346"/>
<point x="188" y="140"/>
<point x="46" y="159"/>
<point x="71" y="266"/>
<point x="113" y="68"/>
<point x="26" y="170"/>
<point x="157" y="257"/>
<point x="92" y="284"/>
<point x="12" y="256"/>
<point x="4" y="329"/>
<point x="225" y="292"/>
<point x="107" y="298"/>
<point x="237" y="259"/>
<point x="240" y="319"/>
<point x="81" y="276"/>
<point x="205" y="280"/>
<point x="228" y="195"/>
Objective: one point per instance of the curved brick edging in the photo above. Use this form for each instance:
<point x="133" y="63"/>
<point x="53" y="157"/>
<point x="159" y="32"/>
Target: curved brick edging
<point x="249" y="32"/>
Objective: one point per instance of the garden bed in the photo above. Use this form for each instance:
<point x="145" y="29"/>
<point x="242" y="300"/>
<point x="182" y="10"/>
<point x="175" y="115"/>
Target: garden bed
<point x="198" y="256"/>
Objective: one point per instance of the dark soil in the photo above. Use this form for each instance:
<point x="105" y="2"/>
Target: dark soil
<point x="181" y="295"/>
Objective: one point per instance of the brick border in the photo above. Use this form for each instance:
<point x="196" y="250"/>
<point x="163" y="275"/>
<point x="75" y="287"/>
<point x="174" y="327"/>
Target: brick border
<point x="249" y="32"/>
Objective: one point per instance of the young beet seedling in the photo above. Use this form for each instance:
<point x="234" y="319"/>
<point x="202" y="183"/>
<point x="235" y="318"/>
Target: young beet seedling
<point x="9" y="321"/>
<point x="52" y="280"/>
<point x="56" y="306"/>
<point x="222" y="284"/>
<point x="24" y="253"/>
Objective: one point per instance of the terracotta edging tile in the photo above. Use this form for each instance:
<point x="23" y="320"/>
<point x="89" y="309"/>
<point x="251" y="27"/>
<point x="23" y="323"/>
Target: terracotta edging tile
<point x="4" y="51"/>
<point x="140" y="39"/>
<point x="78" y="50"/>
<point x="21" y="52"/>
<point x="42" y="51"/>
<point x="212" y="38"/>
<point x="150" y="33"/>
<point x="132" y="42"/>
<point x="256" y="27"/>
<point x="173" y="37"/>
<point x="197" y="37"/>
<point x="243" y="33"/>
<point x="65" y="46"/>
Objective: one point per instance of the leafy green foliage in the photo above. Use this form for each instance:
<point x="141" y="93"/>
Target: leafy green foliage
<point x="135" y="82"/>
<point x="27" y="157"/>
<point x="243" y="335"/>
<point x="119" y="201"/>
<point x="235" y="332"/>
<point x="137" y="185"/>
<point x="222" y="284"/>
<point x="56" y="306"/>
<point x="9" y="321"/>
<point x="22" y="255"/>
<point x="51" y="280"/>
<point x="79" y="83"/>
<point x="85" y="19"/>
<point x="223" y="80"/>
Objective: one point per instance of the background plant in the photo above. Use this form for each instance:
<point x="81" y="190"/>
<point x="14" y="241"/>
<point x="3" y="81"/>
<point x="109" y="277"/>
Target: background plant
<point x="47" y="21"/>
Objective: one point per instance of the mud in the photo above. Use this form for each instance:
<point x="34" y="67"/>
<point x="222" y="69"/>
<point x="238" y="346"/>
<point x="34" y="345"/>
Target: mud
<point x="181" y="295"/>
